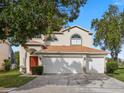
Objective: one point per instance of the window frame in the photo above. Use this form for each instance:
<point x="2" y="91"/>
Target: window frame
<point x="80" y="38"/>
<point x="39" y="36"/>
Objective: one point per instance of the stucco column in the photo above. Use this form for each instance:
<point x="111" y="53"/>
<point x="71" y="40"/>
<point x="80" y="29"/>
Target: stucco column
<point x="40" y="58"/>
<point x="28" y="63"/>
<point x="84" y="63"/>
<point x="23" y="55"/>
<point x="87" y="63"/>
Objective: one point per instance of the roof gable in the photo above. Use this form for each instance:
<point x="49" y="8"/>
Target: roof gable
<point x="69" y="28"/>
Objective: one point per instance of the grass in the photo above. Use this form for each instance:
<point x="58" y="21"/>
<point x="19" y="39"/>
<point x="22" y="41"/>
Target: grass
<point x="119" y="74"/>
<point x="13" y="79"/>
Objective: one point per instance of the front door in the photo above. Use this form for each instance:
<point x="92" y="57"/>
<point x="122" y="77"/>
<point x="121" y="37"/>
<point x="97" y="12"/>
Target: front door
<point x="33" y="61"/>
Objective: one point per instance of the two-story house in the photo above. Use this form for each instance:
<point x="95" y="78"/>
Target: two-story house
<point x="67" y="51"/>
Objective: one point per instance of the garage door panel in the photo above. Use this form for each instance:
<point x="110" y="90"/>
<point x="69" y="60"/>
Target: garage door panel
<point x="62" y="65"/>
<point x="96" y="65"/>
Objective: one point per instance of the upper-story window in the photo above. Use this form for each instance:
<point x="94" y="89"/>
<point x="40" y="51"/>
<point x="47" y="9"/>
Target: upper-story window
<point x="76" y="40"/>
<point x="38" y="36"/>
<point x="52" y="38"/>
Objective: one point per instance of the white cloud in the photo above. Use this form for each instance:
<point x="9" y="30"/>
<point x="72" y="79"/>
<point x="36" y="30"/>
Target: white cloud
<point x="119" y="2"/>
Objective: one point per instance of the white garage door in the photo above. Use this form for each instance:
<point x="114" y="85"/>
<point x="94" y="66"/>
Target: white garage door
<point x="96" y="65"/>
<point x="62" y="65"/>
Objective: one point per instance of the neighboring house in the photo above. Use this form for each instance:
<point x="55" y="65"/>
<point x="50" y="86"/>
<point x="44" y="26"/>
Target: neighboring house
<point x="6" y="52"/>
<point x="67" y="51"/>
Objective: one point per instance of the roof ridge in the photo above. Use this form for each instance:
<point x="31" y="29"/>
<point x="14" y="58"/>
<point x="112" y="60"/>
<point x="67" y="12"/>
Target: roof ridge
<point x="77" y="27"/>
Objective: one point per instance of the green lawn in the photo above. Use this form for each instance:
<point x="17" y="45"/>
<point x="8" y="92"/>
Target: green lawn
<point x="13" y="79"/>
<point x="119" y="74"/>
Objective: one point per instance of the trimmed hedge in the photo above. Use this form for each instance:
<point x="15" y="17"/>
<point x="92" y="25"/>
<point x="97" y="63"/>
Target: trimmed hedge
<point x="37" y="70"/>
<point x="111" y="67"/>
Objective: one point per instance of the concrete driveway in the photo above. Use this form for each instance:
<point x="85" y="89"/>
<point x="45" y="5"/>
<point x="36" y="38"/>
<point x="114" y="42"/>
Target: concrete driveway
<point x="79" y="83"/>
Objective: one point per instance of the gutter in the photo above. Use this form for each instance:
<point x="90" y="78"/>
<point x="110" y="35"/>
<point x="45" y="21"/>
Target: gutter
<point x="72" y="53"/>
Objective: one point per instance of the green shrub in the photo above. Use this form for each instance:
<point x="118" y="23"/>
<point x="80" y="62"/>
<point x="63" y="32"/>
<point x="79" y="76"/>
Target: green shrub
<point x="37" y="70"/>
<point x="111" y="67"/>
<point x="7" y="64"/>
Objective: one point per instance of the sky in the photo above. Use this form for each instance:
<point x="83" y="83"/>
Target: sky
<point x="94" y="9"/>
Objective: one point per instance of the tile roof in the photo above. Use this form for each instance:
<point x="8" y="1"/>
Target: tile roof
<point x="71" y="49"/>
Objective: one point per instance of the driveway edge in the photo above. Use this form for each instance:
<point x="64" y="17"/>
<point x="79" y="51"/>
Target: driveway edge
<point x="7" y="90"/>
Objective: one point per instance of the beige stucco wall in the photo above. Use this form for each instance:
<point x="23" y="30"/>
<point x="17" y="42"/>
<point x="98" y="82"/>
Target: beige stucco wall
<point x="5" y="53"/>
<point x="38" y="48"/>
<point x="64" y="39"/>
<point x="40" y="40"/>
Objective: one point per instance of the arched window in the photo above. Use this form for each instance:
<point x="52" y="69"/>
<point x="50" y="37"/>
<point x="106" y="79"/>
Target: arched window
<point x="76" y="40"/>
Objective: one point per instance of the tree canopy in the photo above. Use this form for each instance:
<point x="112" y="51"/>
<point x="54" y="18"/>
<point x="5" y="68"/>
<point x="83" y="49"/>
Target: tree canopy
<point x="109" y="31"/>
<point x="23" y="19"/>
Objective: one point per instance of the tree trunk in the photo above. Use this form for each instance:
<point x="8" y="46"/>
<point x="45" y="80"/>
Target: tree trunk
<point x="114" y="56"/>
